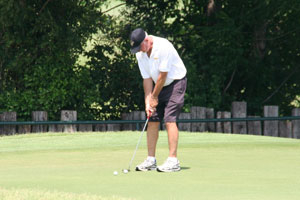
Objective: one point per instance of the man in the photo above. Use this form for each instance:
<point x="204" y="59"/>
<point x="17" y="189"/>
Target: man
<point x="160" y="63"/>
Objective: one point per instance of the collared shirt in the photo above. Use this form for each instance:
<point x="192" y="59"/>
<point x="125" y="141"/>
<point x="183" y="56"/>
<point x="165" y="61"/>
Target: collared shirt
<point x="163" y="58"/>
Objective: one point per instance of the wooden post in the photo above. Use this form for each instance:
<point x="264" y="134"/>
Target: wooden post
<point x="226" y="125"/>
<point x="69" y="115"/>
<point x="85" y="127"/>
<point x="254" y="127"/>
<point x="135" y="116"/>
<point x="101" y="127"/>
<point x="184" y="126"/>
<point x="296" y="123"/>
<point x="271" y="127"/>
<point x="138" y="115"/>
<point x="132" y="126"/>
<point x="210" y="114"/>
<point x="223" y="127"/>
<point x="127" y="116"/>
<point x="24" y="129"/>
<point x="285" y="129"/>
<point x="239" y="110"/>
<point x="198" y="113"/>
<point x="55" y="128"/>
<point x="1" y="127"/>
<point x="219" y="124"/>
<point x="143" y="117"/>
<point x="8" y="129"/>
<point x="39" y="116"/>
<point x="113" y="127"/>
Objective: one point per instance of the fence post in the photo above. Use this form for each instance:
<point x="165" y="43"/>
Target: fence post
<point x="239" y="110"/>
<point x="85" y="127"/>
<point x="223" y="127"/>
<point x="184" y="126"/>
<point x="113" y="127"/>
<point x="138" y="115"/>
<point x="101" y="127"/>
<point x="143" y="117"/>
<point x="285" y="129"/>
<point x="69" y="115"/>
<point x="254" y="127"/>
<point x="296" y="123"/>
<point x="126" y="116"/>
<point x="198" y="113"/>
<point x="24" y="129"/>
<point x="39" y="116"/>
<point x="1" y="126"/>
<point x="210" y="114"/>
<point x="226" y="125"/>
<point x="219" y="124"/>
<point x="8" y="117"/>
<point x="55" y="128"/>
<point x="271" y="127"/>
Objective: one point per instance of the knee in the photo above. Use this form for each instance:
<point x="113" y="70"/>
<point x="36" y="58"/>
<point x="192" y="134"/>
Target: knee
<point x="153" y="125"/>
<point x="170" y="124"/>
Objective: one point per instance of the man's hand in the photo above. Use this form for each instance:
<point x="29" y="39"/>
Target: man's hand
<point x="149" y="110"/>
<point x="158" y="87"/>
<point x="153" y="101"/>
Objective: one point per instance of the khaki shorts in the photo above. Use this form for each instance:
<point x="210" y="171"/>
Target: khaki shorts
<point x="170" y="102"/>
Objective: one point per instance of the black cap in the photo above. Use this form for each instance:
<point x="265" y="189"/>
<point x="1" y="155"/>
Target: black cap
<point x="136" y="38"/>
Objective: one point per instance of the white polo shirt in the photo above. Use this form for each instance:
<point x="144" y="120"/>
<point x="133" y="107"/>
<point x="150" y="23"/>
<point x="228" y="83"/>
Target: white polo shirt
<point x="163" y="58"/>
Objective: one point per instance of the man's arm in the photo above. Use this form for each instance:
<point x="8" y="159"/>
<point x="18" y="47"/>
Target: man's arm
<point x="148" y="86"/>
<point x="158" y="87"/>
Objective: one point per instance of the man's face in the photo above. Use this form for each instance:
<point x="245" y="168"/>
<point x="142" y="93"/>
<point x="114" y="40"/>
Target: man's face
<point x="145" y="46"/>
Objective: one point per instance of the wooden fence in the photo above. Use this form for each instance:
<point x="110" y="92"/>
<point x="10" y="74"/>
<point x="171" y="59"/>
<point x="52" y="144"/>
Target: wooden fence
<point x="278" y="128"/>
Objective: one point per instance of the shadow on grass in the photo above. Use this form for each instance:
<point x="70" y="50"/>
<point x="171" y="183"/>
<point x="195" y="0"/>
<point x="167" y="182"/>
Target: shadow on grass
<point x="185" y="168"/>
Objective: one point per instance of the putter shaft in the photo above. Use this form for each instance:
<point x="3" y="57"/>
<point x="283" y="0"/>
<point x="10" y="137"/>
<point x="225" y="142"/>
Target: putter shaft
<point x="137" y="146"/>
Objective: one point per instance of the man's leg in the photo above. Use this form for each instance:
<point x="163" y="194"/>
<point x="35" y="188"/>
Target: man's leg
<point x="173" y="138"/>
<point x="152" y="137"/>
<point x="172" y="163"/>
<point x="173" y="107"/>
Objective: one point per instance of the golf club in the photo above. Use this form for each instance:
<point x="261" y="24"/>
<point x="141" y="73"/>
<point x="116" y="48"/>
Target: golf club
<point x="125" y="171"/>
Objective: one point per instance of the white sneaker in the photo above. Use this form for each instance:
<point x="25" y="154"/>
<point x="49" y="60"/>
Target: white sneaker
<point x="147" y="165"/>
<point x="169" y="166"/>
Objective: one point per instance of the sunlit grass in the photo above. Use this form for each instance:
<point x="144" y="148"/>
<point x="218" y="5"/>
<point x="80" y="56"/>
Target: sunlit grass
<point x="31" y="194"/>
<point x="214" y="166"/>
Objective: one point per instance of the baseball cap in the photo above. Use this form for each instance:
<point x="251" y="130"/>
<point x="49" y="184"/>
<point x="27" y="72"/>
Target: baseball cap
<point x="136" y="38"/>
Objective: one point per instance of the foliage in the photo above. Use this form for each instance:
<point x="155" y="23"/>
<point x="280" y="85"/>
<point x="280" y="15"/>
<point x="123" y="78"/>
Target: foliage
<point x="118" y="86"/>
<point x="40" y="44"/>
<point x="233" y="50"/>
<point x="239" y="51"/>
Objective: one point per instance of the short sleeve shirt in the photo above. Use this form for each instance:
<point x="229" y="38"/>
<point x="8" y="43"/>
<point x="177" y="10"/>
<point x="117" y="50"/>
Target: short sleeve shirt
<point x="163" y="58"/>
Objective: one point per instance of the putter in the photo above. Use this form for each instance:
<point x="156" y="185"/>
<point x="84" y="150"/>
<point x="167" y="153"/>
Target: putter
<point x="125" y="171"/>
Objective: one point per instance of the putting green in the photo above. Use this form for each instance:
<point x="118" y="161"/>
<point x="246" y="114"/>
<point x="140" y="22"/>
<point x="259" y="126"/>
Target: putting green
<point x="214" y="166"/>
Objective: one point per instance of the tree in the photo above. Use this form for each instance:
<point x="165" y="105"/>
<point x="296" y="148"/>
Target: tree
<point x="40" y="44"/>
<point x="233" y="50"/>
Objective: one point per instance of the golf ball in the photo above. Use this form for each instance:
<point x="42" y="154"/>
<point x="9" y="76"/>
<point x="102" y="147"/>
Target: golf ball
<point x="125" y="171"/>
<point x="115" y="173"/>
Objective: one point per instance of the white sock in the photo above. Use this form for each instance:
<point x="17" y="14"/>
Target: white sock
<point x="173" y="159"/>
<point x="151" y="158"/>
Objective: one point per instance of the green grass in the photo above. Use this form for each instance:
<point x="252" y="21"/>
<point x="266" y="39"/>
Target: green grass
<point x="214" y="166"/>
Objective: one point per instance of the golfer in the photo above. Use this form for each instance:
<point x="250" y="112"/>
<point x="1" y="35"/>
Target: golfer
<point x="164" y="82"/>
